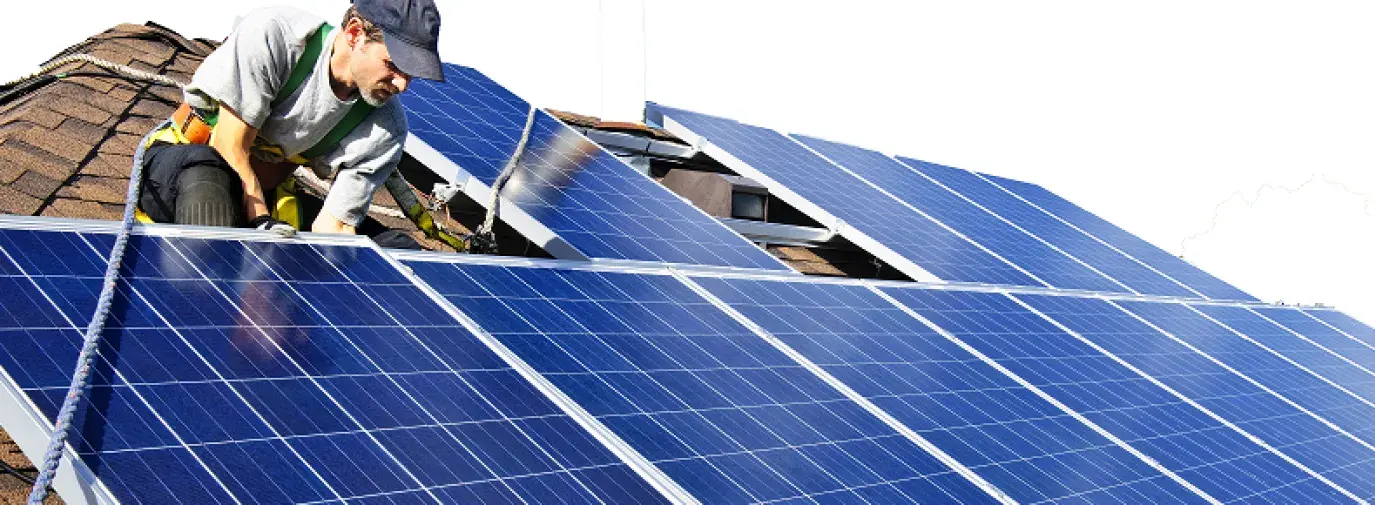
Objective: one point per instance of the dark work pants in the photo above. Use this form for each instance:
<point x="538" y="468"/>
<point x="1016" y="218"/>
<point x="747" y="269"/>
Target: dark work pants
<point x="190" y="184"/>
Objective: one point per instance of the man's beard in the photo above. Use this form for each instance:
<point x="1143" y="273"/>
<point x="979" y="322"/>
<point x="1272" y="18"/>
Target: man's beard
<point x="372" y="99"/>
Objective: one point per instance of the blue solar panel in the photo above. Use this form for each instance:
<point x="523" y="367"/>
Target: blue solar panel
<point x="1309" y="356"/>
<point x="1344" y="410"/>
<point x="719" y="410"/>
<point x="1353" y="327"/>
<point x="585" y="195"/>
<point x="1007" y="434"/>
<point x="1076" y="243"/>
<point x="271" y="372"/>
<point x="1287" y="428"/>
<point x="1013" y="245"/>
<point x="1157" y="258"/>
<point x="910" y="234"/>
<point x="1201" y="449"/>
<point x="1331" y="337"/>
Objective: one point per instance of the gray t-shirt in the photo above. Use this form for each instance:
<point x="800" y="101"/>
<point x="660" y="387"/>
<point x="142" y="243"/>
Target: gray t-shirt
<point x="245" y="74"/>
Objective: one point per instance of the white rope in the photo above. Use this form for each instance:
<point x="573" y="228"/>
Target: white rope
<point x="62" y="424"/>
<point x="107" y="65"/>
<point x="505" y="174"/>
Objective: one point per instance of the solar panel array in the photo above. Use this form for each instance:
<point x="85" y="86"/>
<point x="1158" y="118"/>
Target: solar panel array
<point x="242" y="372"/>
<point x="910" y="234"/>
<point x="1012" y="244"/>
<point x="1275" y="420"/>
<point x="1342" y="407"/>
<point x="716" y="407"/>
<point x="1003" y="431"/>
<point x="238" y="367"/>
<point x="1183" y="438"/>
<point x="1074" y="242"/>
<point x="1021" y="233"/>
<point x="266" y="371"/>
<point x="1157" y="258"/>
<point x="567" y="184"/>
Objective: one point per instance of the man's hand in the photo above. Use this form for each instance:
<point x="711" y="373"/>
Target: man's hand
<point x="232" y="139"/>
<point x="268" y="223"/>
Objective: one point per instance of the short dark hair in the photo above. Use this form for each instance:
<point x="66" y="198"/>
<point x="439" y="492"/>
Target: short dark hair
<point x="372" y="32"/>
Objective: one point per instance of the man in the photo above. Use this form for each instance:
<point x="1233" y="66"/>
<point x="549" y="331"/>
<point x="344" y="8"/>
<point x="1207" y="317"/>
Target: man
<point x="262" y="114"/>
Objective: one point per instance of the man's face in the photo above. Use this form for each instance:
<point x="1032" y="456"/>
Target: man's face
<point x="375" y="75"/>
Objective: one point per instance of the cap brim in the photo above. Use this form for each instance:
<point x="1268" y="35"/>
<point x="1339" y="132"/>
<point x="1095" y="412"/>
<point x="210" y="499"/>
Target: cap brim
<point x="414" y="60"/>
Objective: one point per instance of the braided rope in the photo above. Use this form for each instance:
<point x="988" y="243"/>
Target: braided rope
<point x="490" y="219"/>
<point x="90" y="347"/>
<point x="124" y="70"/>
<point x="91" y="344"/>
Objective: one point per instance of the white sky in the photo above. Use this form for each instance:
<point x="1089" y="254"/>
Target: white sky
<point x="1235" y="133"/>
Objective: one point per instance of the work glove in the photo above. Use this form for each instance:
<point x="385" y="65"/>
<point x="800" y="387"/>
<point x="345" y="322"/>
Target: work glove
<point x="267" y="223"/>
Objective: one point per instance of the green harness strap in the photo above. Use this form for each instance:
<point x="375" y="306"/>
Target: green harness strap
<point x="397" y="186"/>
<point x="304" y="66"/>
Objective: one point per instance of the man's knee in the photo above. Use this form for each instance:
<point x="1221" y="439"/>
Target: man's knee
<point x="189" y="184"/>
<point x="205" y="196"/>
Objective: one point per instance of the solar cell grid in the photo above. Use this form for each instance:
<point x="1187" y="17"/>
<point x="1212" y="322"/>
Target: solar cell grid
<point x="1305" y="354"/>
<point x="267" y="373"/>
<point x="584" y="194"/>
<point x="1336" y="338"/>
<point x="722" y="412"/>
<point x="908" y="233"/>
<point x="1073" y="242"/>
<point x="1148" y="253"/>
<point x="1013" y="245"/>
<point x="1347" y="411"/>
<point x="1199" y="448"/>
<point x="1286" y="427"/>
<point x="1004" y="432"/>
<point x="1353" y="327"/>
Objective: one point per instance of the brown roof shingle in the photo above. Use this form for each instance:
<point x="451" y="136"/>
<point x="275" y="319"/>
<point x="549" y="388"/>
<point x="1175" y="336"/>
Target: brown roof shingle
<point x="53" y="140"/>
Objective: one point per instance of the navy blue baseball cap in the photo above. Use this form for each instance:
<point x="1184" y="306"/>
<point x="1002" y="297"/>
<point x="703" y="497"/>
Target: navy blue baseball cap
<point x="410" y="29"/>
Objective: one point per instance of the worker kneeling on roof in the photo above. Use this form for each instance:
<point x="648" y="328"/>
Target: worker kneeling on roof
<point x="287" y="89"/>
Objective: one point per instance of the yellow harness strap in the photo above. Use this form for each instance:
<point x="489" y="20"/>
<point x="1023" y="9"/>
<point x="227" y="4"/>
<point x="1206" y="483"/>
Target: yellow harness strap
<point x="287" y="209"/>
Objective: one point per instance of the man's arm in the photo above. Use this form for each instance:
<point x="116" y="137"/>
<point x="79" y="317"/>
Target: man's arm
<point x="232" y="139"/>
<point x="327" y="223"/>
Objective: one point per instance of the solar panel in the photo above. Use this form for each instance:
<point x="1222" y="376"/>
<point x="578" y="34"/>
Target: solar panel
<point x="912" y="242"/>
<point x="1323" y="362"/>
<point x="1015" y="439"/>
<point x="1350" y="325"/>
<point x="570" y="196"/>
<point x="1333" y="338"/>
<point x="1283" y="425"/>
<point x="1199" y="448"/>
<point x="1345" y="410"/>
<point x="1111" y="262"/>
<point x="717" y="408"/>
<point x="269" y="372"/>
<point x="1124" y="241"/>
<point x="1016" y="246"/>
